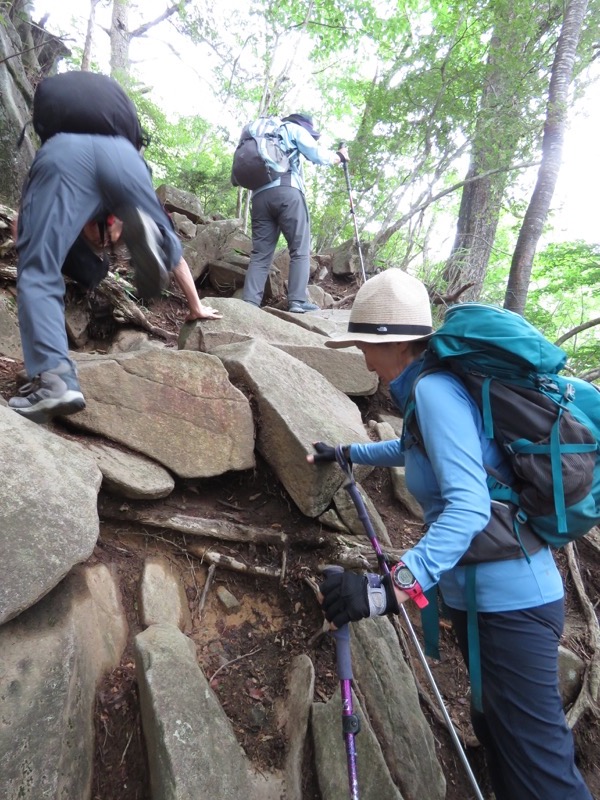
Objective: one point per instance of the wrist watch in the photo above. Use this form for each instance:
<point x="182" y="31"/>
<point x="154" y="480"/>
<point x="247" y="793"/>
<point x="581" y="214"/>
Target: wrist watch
<point x="404" y="580"/>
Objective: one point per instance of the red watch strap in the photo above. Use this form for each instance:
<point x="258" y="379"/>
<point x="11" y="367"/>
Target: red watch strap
<point x="415" y="592"/>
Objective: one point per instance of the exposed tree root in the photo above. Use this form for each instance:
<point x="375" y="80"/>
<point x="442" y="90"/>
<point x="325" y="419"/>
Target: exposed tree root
<point x="590" y="690"/>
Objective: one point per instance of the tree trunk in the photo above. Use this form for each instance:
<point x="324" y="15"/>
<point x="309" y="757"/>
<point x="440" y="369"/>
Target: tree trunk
<point x="556" y="117"/>
<point x="481" y="199"/>
<point x="120" y="39"/>
<point x="86" y="58"/>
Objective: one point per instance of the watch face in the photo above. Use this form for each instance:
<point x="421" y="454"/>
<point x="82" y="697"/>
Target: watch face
<point x="403" y="577"/>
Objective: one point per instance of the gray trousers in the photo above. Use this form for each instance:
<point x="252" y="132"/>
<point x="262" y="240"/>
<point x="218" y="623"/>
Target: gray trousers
<point x="74" y="178"/>
<point x="281" y="209"/>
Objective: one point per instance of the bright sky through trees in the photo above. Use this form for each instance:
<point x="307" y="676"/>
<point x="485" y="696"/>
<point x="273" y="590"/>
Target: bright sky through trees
<point x="180" y="85"/>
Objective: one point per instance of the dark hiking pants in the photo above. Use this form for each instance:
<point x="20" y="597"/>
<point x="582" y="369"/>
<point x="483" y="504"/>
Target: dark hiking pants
<point x="529" y="747"/>
<point x="281" y="209"/>
<point x="74" y="178"/>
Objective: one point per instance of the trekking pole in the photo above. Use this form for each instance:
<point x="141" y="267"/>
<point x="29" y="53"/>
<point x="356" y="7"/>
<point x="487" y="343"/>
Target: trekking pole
<point x="352" y="489"/>
<point x="353" y="214"/>
<point x="350" y="721"/>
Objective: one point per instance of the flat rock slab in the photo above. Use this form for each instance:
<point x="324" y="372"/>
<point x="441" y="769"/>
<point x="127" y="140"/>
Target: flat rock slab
<point x="10" y="340"/>
<point x="192" y="749"/>
<point x="392" y="703"/>
<point x="345" y="368"/>
<point x="53" y="656"/>
<point x="374" y="780"/>
<point x="348" y="514"/>
<point x="300" y="693"/>
<point x="162" y="595"/>
<point x="328" y="322"/>
<point x="178" y="408"/>
<point x="131" y="475"/>
<point x="48" y="500"/>
<point x="296" y="407"/>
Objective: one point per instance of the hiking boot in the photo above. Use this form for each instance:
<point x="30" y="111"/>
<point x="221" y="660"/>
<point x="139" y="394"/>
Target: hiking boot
<point x="302" y="306"/>
<point x="53" y="393"/>
<point x="144" y="242"/>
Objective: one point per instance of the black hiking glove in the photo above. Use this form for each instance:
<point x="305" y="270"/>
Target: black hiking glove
<point x="326" y="453"/>
<point x="348" y="597"/>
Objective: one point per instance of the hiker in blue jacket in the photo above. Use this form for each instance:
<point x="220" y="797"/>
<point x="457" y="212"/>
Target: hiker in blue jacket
<point x="280" y="207"/>
<point x="519" y="602"/>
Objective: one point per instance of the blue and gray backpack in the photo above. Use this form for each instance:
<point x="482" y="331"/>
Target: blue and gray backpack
<point x="260" y="157"/>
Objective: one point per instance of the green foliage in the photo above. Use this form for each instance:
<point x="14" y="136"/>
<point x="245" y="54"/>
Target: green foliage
<point x="190" y="154"/>
<point x="564" y="295"/>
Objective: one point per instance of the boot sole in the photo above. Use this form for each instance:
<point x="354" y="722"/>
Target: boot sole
<point x="151" y="276"/>
<point x="45" y="410"/>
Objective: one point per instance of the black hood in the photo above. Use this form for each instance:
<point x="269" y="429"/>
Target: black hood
<point x="306" y="121"/>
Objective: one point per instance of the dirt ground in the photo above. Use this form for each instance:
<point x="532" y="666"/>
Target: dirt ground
<point x="246" y="656"/>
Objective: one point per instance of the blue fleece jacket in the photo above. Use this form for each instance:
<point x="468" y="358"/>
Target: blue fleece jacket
<point x="297" y="141"/>
<point x="449" y="482"/>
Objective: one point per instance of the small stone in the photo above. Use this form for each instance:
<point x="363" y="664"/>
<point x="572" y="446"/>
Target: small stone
<point x="229" y="601"/>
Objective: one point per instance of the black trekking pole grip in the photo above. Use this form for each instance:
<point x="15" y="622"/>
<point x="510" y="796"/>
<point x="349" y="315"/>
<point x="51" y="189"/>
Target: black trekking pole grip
<point x="342" y="640"/>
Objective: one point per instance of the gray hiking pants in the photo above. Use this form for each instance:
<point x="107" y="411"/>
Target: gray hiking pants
<point x="281" y="209"/>
<point x="74" y="178"/>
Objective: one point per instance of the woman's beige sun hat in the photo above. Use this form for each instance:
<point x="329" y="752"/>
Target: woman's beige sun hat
<point x="389" y="307"/>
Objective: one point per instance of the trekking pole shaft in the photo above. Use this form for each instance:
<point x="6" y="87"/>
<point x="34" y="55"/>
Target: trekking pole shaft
<point x="350" y="726"/>
<point x="352" y="489"/>
<point x="442" y="705"/>
<point x="353" y="215"/>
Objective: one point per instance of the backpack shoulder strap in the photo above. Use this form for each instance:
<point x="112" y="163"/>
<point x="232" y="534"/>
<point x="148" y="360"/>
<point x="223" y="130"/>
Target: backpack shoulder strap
<point x="431" y="364"/>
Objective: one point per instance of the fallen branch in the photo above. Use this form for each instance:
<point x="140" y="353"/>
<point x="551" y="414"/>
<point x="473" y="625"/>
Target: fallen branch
<point x="228" y="562"/>
<point x="209" y="577"/>
<point x="357" y="553"/>
<point x="587" y="699"/>
<point x="233" y="661"/>
<point x="196" y="526"/>
<point x="8" y="273"/>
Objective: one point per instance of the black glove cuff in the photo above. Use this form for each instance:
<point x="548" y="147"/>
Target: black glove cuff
<point x="390" y="595"/>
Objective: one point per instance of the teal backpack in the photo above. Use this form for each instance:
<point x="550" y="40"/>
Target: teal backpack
<point x="547" y="424"/>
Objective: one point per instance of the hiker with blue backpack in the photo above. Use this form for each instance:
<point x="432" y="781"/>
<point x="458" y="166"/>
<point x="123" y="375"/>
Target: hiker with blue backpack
<point x="268" y="160"/>
<point x="486" y="547"/>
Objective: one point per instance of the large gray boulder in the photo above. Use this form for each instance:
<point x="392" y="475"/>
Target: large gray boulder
<point x="178" y="408"/>
<point x="192" y="749"/>
<point x="392" y="703"/>
<point x="131" y="475"/>
<point x="48" y="497"/>
<point x="344" y="368"/>
<point x="296" y="407"/>
<point x="216" y="241"/>
<point x="53" y="656"/>
<point x="374" y="779"/>
<point x="10" y="340"/>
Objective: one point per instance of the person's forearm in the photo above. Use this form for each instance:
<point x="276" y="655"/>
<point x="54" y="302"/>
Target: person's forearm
<point x="185" y="281"/>
<point x="387" y="453"/>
